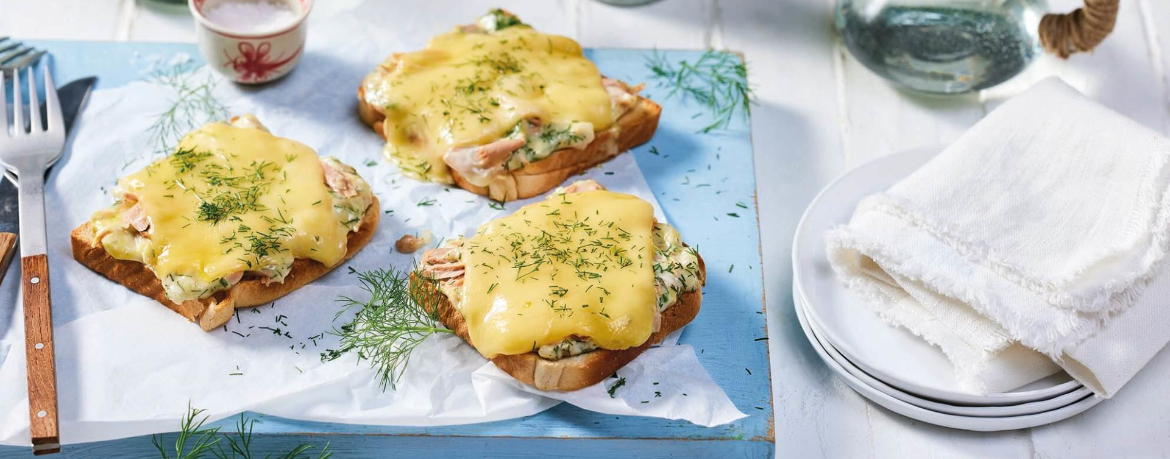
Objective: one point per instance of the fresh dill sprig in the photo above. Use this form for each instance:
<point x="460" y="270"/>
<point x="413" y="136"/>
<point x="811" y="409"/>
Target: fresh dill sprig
<point x="397" y="317"/>
<point x="190" y="431"/>
<point x="194" y="441"/>
<point x="717" y="81"/>
<point x="193" y="104"/>
<point x="240" y="445"/>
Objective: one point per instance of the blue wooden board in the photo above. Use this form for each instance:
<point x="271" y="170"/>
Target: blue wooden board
<point x="706" y="186"/>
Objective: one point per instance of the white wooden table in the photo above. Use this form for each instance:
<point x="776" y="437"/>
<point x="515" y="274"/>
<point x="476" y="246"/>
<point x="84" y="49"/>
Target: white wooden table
<point x="820" y="113"/>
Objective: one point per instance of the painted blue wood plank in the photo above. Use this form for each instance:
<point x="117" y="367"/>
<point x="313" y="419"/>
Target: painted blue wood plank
<point x="414" y="447"/>
<point x="705" y="183"/>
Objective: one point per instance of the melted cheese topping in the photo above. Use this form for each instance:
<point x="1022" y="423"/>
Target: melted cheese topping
<point x="472" y="87"/>
<point x="232" y="200"/>
<point x="574" y="265"/>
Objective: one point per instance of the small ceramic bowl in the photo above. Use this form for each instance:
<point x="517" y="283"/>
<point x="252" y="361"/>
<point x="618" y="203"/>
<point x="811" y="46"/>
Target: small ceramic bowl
<point x="251" y="57"/>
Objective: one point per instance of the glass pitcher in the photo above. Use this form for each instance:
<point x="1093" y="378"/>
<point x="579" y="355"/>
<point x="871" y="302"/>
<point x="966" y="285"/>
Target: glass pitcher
<point x="956" y="46"/>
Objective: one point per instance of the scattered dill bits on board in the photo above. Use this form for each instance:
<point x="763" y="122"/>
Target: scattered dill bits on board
<point x="389" y="325"/>
<point x="717" y="81"/>
<point x="613" y="389"/>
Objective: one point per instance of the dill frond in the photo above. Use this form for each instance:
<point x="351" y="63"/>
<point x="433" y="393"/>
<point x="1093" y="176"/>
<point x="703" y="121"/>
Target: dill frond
<point x="717" y="81"/>
<point x="191" y="433"/>
<point x="194" y="441"/>
<point x="192" y="105"/>
<point x="240" y="445"/>
<point x="397" y="317"/>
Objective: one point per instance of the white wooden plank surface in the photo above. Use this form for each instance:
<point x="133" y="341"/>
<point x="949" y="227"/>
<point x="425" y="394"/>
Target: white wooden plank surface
<point x="820" y="113"/>
<point x="65" y="19"/>
<point x="153" y="21"/>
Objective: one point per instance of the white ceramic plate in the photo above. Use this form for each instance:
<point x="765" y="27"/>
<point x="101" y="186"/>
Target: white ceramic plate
<point x="981" y="424"/>
<point x="1022" y="409"/>
<point x="889" y="354"/>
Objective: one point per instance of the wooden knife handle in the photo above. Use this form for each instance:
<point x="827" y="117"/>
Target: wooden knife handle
<point x="38" y="336"/>
<point x="7" y="248"/>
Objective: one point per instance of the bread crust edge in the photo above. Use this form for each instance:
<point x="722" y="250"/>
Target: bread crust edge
<point x="571" y="373"/>
<point x="215" y="310"/>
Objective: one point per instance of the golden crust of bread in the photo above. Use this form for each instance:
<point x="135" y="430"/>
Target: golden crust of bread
<point x="634" y="128"/>
<point x="214" y="311"/>
<point x="570" y="373"/>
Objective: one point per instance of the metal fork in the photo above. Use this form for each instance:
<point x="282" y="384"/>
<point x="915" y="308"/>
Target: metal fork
<point x="14" y="55"/>
<point x="28" y="154"/>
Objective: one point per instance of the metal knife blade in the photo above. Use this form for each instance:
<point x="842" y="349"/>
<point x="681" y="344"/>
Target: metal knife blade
<point x="72" y="97"/>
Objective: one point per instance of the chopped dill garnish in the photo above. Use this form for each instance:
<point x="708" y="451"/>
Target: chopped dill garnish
<point x="613" y="389"/>
<point x="717" y="81"/>
<point x="502" y="63"/>
<point x="496" y="205"/>
<point x="184" y="160"/>
<point x="497" y="19"/>
<point x="397" y="317"/>
<point x="427" y="202"/>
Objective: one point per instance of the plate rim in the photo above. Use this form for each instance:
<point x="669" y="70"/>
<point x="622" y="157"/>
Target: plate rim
<point x="978" y="424"/>
<point x="934" y="394"/>
<point x="988" y="411"/>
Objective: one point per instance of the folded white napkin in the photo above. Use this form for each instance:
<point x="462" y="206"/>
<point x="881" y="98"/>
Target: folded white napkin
<point x="1034" y="241"/>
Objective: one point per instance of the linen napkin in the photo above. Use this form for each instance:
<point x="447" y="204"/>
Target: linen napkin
<point x="1036" y="242"/>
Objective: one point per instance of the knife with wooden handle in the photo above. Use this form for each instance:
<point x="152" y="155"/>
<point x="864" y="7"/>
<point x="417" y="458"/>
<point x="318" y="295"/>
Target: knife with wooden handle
<point x="9" y="225"/>
<point x="7" y="246"/>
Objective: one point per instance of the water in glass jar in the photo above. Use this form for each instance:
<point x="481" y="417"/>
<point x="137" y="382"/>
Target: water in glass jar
<point x="945" y="46"/>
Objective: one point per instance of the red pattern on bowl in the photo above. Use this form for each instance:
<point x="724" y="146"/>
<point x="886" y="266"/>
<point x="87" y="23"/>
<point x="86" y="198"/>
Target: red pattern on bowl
<point x="251" y="57"/>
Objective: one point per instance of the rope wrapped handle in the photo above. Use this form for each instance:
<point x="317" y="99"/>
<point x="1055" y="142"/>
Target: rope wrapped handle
<point x="1078" y="31"/>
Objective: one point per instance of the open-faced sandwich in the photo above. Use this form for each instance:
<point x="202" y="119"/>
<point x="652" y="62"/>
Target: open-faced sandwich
<point x="501" y="109"/>
<point x="235" y="217"/>
<point x="568" y="290"/>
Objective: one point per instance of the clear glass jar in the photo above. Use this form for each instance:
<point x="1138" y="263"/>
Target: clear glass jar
<point x="942" y="46"/>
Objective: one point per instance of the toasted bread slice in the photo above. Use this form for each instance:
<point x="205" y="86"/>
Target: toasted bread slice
<point x="634" y="128"/>
<point x="570" y="373"/>
<point x="215" y="310"/>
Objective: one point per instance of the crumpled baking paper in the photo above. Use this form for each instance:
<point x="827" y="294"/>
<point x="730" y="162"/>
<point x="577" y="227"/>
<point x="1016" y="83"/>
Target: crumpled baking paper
<point x="128" y="366"/>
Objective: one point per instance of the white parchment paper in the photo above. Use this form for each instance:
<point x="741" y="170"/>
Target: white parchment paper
<point x="128" y="366"/>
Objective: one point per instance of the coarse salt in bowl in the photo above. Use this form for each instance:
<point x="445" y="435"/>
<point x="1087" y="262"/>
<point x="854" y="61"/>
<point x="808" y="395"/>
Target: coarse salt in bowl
<point x="251" y="41"/>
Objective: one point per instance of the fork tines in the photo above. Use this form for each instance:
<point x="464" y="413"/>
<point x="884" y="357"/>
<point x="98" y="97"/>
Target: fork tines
<point x="52" y="121"/>
<point x="15" y="55"/>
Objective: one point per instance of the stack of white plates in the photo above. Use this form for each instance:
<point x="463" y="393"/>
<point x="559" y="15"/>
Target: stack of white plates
<point x="889" y="365"/>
